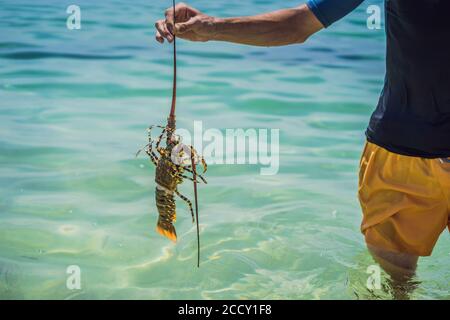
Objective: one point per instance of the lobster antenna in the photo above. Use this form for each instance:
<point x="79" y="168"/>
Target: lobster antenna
<point x="194" y="176"/>
<point x="174" y="90"/>
<point x="171" y="125"/>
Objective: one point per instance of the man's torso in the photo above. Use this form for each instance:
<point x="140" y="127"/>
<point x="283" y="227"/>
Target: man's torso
<point x="413" y="114"/>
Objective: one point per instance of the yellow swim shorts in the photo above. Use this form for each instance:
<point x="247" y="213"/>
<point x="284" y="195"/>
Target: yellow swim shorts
<point x="405" y="200"/>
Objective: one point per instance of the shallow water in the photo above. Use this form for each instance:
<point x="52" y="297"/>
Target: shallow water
<point x="74" y="107"/>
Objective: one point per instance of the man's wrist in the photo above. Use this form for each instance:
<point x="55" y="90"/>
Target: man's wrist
<point x="217" y="27"/>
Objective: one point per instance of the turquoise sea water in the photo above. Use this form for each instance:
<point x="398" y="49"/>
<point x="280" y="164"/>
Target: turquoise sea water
<point x="74" y="108"/>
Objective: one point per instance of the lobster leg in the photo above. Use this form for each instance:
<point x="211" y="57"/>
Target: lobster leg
<point x="198" y="175"/>
<point x="151" y="154"/>
<point x="149" y="130"/>
<point x="150" y="142"/>
<point x="140" y="150"/>
<point x="189" y="178"/>
<point x="163" y="132"/>
<point x="189" y="203"/>
<point x="152" y="157"/>
<point x="205" y="166"/>
<point x="158" y="141"/>
<point x="176" y="169"/>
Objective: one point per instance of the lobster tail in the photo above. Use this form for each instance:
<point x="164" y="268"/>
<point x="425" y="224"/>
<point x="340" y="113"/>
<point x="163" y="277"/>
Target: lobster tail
<point x="165" y="203"/>
<point x="166" y="230"/>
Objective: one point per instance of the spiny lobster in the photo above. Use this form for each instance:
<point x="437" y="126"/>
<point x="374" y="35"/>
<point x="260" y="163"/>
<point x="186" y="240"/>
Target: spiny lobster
<point x="171" y="167"/>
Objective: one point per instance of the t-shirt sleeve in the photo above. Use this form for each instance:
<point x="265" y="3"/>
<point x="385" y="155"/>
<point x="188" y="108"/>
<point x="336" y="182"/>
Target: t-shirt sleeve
<point x="330" y="11"/>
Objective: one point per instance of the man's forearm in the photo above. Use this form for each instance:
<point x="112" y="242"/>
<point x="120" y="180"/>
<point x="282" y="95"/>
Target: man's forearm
<point x="277" y="28"/>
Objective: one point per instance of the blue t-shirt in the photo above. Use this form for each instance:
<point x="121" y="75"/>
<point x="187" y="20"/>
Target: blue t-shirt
<point x="413" y="114"/>
<point x="329" y="11"/>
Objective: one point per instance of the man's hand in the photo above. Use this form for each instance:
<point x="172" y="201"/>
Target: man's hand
<point x="191" y="24"/>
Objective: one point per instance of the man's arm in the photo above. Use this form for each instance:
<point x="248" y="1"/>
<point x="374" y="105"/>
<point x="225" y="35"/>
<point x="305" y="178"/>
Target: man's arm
<point x="276" y="28"/>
